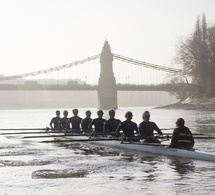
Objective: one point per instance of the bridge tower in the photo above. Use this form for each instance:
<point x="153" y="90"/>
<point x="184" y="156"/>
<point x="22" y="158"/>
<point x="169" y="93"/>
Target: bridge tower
<point x="107" y="92"/>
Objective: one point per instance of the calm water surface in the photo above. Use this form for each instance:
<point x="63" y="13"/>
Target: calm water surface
<point x="29" y="167"/>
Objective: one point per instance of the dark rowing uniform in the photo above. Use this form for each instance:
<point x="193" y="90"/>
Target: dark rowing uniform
<point x="128" y="128"/>
<point x="55" y="121"/>
<point x="98" y="124"/>
<point x="182" y="138"/>
<point x="110" y="125"/>
<point x="146" y="129"/>
<point x="85" y="123"/>
<point x="63" y="122"/>
<point x="75" y="121"/>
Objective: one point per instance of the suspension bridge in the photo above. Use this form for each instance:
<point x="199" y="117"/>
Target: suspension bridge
<point x="100" y="78"/>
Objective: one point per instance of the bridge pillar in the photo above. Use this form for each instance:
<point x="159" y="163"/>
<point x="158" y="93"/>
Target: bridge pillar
<point x="107" y="92"/>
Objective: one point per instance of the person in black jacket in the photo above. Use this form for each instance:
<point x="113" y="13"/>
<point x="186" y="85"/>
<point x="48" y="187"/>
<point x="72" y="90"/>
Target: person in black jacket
<point x="75" y="121"/>
<point x="86" y="121"/>
<point x="63" y="121"/>
<point x="98" y="123"/>
<point x="146" y="129"/>
<point x="128" y="127"/>
<point x="55" y="121"/>
<point x="111" y="124"/>
<point x="182" y="136"/>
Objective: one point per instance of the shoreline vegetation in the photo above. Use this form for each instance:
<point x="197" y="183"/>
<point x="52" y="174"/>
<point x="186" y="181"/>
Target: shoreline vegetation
<point x="196" y="55"/>
<point x="207" y="104"/>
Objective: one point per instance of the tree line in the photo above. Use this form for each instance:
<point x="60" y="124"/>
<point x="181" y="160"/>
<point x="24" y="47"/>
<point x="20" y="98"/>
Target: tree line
<point x="196" y="54"/>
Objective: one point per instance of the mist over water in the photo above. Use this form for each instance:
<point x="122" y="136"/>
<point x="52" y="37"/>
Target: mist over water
<point x="79" y="99"/>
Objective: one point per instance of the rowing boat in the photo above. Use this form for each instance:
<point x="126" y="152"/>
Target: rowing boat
<point x="142" y="147"/>
<point x="159" y="149"/>
<point x="152" y="148"/>
<point x="136" y="146"/>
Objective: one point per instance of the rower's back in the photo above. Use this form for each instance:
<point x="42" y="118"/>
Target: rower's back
<point x="182" y="136"/>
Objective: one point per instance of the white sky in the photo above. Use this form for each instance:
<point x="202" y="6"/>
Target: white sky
<point x="38" y="34"/>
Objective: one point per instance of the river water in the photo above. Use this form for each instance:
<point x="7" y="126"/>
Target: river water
<point x="29" y="167"/>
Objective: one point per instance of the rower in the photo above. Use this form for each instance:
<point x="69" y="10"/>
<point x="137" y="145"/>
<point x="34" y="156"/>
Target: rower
<point x="63" y="121"/>
<point x="86" y="121"/>
<point x="146" y="129"/>
<point x="182" y="136"/>
<point x="128" y="127"/>
<point x="55" y="121"/>
<point x="98" y="123"/>
<point x="111" y="124"/>
<point x="75" y="121"/>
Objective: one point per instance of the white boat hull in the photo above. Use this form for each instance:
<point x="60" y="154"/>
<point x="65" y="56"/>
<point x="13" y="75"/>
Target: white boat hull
<point x="162" y="150"/>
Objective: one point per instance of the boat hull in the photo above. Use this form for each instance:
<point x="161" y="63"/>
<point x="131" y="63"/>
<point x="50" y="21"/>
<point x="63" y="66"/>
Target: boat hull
<point x="162" y="150"/>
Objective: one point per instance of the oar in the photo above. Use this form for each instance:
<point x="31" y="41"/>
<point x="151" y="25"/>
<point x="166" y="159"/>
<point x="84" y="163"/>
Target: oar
<point x="43" y="132"/>
<point x="80" y="140"/>
<point x="203" y="137"/>
<point x="47" y="128"/>
<point x="47" y="136"/>
<point x="148" y="144"/>
<point x="63" y="131"/>
<point x="192" y="134"/>
<point x="65" y="135"/>
<point x="197" y="137"/>
<point x="93" y="139"/>
<point x="167" y="129"/>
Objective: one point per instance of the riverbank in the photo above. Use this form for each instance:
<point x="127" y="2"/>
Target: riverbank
<point x="193" y="104"/>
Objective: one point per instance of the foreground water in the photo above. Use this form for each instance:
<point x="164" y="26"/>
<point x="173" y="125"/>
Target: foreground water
<point x="29" y="167"/>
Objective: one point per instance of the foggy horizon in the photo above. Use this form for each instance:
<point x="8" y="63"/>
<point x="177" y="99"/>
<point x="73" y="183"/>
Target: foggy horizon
<point x="77" y="99"/>
<point x="44" y="34"/>
<point x="39" y="35"/>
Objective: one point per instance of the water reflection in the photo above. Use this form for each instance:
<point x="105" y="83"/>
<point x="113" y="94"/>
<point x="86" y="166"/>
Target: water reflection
<point x="54" y="174"/>
<point x="205" y="123"/>
<point x="182" y="166"/>
<point x="19" y="163"/>
<point x="89" y="149"/>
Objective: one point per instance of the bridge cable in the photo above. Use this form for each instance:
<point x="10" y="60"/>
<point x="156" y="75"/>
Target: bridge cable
<point x="48" y="70"/>
<point x="145" y="64"/>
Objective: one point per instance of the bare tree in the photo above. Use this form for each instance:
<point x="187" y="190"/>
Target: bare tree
<point x="197" y="56"/>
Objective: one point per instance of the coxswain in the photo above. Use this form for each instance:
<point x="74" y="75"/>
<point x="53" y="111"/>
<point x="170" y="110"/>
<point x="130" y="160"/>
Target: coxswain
<point x="63" y="121"/>
<point x="111" y="124"/>
<point x="86" y="121"/>
<point x="55" y="121"/>
<point x="128" y="127"/>
<point x="75" y="121"/>
<point x="146" y="129"/>
<point x="98" y="123"/>
<point x="182" y="136"/>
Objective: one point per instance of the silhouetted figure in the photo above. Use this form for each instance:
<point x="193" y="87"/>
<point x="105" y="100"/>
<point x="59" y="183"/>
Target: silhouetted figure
<point x="182" y="136"/>
<point x="128" y="127"/>
<point x="86" y="121"/>
<point x="111" y="124"/>
<point x="146" y="129"/>
<point x="75" y="121"/>
<point x="63" y="121"/>
<point x="97" y="123"/>
<point x="55" y="121"/>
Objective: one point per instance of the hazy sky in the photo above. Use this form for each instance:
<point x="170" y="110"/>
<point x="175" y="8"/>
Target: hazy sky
<point x="38" y="34"/>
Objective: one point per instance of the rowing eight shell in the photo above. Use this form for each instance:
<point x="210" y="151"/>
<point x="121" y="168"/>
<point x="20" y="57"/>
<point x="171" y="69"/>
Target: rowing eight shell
<point x="160" y="150"/>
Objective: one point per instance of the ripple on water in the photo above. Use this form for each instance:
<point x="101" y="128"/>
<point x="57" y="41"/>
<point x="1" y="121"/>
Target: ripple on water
<point x="8" y="146"/>
<point x="16" y="153"/>
<point x="54" y="174"/>
<point x="35" y="162"/>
